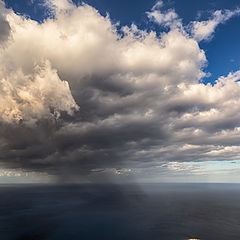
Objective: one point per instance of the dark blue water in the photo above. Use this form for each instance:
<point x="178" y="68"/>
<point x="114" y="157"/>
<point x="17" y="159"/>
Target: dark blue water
<point x="150" y="211"/>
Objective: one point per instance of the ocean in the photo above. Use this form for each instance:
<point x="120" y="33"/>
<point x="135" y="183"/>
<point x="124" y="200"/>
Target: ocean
<point x="163" y="211"/>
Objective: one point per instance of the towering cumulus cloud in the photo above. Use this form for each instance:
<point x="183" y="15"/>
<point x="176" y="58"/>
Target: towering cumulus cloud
<point x="79" y="96"/>
<point x="29" y="97"/>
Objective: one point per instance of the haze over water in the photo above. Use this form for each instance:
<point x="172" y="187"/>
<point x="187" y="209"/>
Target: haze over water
<point x="149" y="211"/>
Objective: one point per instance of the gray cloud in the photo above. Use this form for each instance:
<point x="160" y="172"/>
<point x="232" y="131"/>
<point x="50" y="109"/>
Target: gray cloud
<point x="141" y="102"/>
<point x="4" y="25"/>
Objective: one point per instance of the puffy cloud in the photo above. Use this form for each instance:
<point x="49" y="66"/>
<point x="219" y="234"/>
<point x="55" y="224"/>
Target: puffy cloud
<point x="141" y="100"/>
<point x="31" y="97"/>
<point x="203" y="30"/>
<point x="200" y="30"/>
<point x="168" y="18"/>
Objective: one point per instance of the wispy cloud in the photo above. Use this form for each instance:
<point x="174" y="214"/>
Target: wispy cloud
<point x="204" y="30"/>
<point x="167" y="18"/>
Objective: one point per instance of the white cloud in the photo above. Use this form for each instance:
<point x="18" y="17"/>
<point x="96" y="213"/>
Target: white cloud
<point x="203" y="30"/>
<point x="199" y="30"/>
<point x="57" y="6"/>
<point x="167" y="18"/>
<point x="79" y="43"/>
<point x="158" y="5"/>
<point x="31" y="97"/>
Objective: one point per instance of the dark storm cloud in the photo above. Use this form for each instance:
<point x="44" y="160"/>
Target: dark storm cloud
<point x="141" y="103"/>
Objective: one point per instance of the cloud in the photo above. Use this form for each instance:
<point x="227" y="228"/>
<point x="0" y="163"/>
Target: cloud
<point x="142" y="103"/>
<point x="4" y="25"/>
<point x="203" y="30"/>
<point x="55" y="7"/>
<point x="168" y="18"/>
<point x="199" y="30"/>
<point x="31" y="97"/>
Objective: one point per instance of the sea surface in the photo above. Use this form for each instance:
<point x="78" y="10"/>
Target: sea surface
<point x="120" y="212"/>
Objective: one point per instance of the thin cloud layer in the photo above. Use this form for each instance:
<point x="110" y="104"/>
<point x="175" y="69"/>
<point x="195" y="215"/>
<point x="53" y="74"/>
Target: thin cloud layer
<point x="142" y="103"/>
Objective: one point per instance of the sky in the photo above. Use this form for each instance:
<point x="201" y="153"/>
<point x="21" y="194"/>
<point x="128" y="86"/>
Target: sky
<point x="112" y="91"/>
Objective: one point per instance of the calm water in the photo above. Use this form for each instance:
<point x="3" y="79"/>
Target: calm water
<point x="150" y="211"/>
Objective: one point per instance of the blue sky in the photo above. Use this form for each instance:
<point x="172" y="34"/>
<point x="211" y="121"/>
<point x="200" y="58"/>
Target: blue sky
<point x="89" y="98"/>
